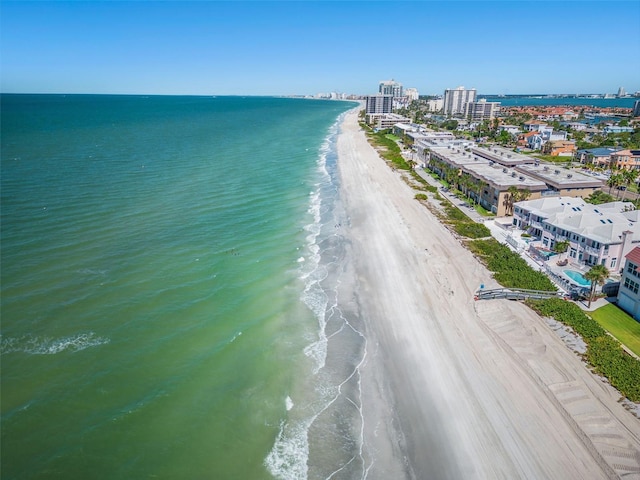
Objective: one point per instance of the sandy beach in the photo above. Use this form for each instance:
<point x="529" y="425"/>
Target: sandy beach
<point x="455" y="388"/>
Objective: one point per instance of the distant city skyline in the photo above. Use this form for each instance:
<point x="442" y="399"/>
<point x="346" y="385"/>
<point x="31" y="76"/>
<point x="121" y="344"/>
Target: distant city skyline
<point x="305" y="48"/>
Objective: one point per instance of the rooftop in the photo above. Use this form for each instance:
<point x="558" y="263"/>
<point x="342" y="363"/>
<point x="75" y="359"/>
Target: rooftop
<point x="604" y="223"/>
<point x="560" y="177"/>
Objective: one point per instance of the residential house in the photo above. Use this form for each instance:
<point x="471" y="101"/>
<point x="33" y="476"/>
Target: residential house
<point x="629" y="291"/>
<point x="560" y="148"/>
<point x="523" y="139"/>
<point x="597" y="234"/>
<point x="535" y="126"/>
<point x="512" y="129"/>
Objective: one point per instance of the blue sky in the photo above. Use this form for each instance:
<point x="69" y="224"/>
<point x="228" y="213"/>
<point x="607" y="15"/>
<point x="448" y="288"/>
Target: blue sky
<point x="299" y="47"/>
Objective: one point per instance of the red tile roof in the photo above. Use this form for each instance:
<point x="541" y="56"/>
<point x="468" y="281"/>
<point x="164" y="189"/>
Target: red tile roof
<point x="634" y="256"/>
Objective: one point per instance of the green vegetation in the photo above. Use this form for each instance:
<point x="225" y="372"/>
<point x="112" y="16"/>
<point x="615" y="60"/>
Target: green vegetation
<point x="509" y="269"/>
<point x="598" y="197"/>
<point x="426" y="186"/>
<point x="619" y="324"/>
<point x="553" y="158"/>
<point x="421" y="196"/>
<point x="471" y="229"/>
<point x="603" y="352"/>
<point x="455" y="219"/>
<point x="388" y="149"/>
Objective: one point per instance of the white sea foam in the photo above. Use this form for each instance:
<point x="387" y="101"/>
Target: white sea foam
<point x="289" y="455"/>
<point x="50" y="346"/>
<point x="301" y="259"/>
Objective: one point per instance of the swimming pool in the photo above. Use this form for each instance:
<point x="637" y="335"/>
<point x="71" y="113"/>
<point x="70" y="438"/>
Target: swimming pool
<point x="577" y="277"/>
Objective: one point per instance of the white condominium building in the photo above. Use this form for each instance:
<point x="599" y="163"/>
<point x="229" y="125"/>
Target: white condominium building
<point x="391" y="87"/>
<point x="412" y="94"/>
<point x="456" y="100"/>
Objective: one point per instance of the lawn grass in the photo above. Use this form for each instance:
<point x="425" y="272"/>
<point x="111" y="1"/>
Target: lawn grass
<point x="620" y="324"/>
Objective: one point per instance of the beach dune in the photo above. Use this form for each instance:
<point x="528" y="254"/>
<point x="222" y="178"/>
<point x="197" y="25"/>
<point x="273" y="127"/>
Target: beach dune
<point x="455" y="388"/>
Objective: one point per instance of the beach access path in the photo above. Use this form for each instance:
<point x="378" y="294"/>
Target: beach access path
<point x="454" y="388"/>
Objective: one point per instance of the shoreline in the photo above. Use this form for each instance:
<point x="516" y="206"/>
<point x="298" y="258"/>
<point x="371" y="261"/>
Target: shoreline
<point x="475" y="390"/>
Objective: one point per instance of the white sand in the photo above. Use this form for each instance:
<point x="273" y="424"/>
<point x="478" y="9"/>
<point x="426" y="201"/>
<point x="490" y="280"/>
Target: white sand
<point x="457" y="389"/>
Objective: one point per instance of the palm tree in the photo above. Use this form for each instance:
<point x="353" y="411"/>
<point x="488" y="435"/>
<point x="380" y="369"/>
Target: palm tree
<point x="615" y="180"/>
<point x="628" y="177"/>
<point x="597" y="276"/>
<point x="510" y="199"/>
<point x="561" y="247"/>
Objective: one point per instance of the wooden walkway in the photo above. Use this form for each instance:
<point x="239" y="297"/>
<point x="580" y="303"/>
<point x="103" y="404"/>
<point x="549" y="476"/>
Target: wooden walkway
<point x="514" y="294"/>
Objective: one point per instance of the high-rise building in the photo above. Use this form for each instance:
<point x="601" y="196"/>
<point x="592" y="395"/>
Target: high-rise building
<point x="456" y="100"/>
<point x="482" y="110"/>
<point x="412" y="94"/>
<point x="636" y="108"/>
<point x="390" y="87"/>
<point x="379" y="104"/>
<point x="621" y="92"/>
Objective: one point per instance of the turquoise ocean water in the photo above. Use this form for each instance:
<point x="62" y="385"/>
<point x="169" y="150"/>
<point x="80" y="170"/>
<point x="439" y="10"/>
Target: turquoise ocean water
<point x="163" y="307"/>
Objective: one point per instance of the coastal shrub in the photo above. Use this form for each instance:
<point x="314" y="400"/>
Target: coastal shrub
<point x="421" y="196"/>
<point x="453" y="213"/>
<point x="509" y="269"/>
<point x="604" y="352"/>
<point x="471" y="229"/>
<point x="388" y="149"/>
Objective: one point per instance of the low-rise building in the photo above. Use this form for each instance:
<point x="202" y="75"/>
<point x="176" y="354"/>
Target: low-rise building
<point x="629" y="291"/>
<point x="385" y="120"/>
<point x="626" y="159"/>
<point x="616" y="129"/>
<point x="597" y="234"/>
<point x="485" y="181"/>
<point x="600" y="157"/>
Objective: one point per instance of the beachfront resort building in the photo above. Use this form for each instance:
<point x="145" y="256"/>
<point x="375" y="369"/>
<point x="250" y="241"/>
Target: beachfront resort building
<point x="456" y="101"/>
<point x="629" y="291"/>
<point x="597" y="234"/>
